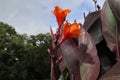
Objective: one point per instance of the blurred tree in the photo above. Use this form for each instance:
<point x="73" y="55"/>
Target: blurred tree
<point x="23" y="57"/>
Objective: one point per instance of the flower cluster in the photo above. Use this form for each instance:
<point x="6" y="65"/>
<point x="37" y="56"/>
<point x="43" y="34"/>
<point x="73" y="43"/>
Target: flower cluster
<point x="65" y="30"/>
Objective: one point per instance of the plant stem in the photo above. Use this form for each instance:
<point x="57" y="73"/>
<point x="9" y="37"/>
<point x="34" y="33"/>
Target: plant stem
<point x="117" y="44"/>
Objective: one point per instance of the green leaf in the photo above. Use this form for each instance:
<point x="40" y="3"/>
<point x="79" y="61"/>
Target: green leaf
<point x="61" y="77"/>
<point x="115" y="7"/>
<point x="64" y="74"/>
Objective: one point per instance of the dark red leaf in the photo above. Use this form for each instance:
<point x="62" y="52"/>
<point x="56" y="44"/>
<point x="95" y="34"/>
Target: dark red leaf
<point x="70" y="52"/>
<point x="80" y="59"/>
<point x="93" y="26"/>
<point x="111" y="28"/>
<point x="89" y="61"/>
<point x="113" y="73"/>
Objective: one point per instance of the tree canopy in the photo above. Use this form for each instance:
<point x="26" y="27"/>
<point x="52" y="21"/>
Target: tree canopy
<point x="23" y="57"/>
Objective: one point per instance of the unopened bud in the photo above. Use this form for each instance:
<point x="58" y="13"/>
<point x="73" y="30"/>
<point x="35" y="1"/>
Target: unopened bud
<point x="59" y="60"/>
<point x="49" y="51"/>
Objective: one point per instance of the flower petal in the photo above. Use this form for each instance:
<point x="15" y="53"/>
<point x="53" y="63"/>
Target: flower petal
<point x="70" y="31"/>
<point x="60" y="15"/>
<point x="75" y="30"/>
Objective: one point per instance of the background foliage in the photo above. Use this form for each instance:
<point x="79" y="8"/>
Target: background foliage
<point x="23" y="57"/>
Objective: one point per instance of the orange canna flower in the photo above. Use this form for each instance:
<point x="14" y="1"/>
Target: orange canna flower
<point x="60" y="15"/>
<point x="70" y="31"/>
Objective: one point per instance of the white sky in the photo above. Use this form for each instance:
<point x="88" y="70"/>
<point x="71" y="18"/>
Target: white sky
<point x="34" y="16"/>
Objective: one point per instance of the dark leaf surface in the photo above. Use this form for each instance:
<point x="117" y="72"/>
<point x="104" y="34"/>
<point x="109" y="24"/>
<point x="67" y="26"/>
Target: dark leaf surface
<point x="80" y="57"/>
<point x="93" y="26"/>
<point x="70" y="52"/>
<point x="89" y="61"/>
<point x="113" y="73"/>
<point x="110" y="27"/>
